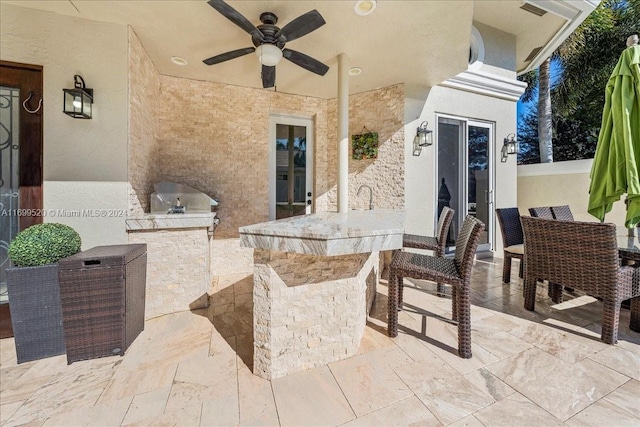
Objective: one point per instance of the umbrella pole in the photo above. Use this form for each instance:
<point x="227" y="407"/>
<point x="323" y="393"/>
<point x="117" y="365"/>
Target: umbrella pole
<point x="631" y="231"/>
<point x="631" y="40"/>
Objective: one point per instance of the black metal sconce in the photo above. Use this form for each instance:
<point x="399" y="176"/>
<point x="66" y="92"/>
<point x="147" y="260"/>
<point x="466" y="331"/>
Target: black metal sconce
<point x="423" y="138"/>
<point x="78" y="101"/>
<point x="510" y="147"/>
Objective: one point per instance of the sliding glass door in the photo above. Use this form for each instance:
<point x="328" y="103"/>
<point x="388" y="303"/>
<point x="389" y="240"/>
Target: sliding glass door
<point x="465" y="174"/>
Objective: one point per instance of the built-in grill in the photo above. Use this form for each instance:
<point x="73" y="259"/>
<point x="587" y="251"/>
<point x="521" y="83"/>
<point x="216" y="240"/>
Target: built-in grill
<point x="174" y="198"/>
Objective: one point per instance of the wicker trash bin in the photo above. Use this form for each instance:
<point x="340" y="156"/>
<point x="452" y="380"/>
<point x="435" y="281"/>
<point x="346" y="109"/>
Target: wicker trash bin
<point x="102" y="292"/>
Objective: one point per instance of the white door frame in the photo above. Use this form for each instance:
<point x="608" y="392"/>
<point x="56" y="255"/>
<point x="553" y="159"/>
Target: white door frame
<point x="284" y="119"/>
<point x="466" y="122"/>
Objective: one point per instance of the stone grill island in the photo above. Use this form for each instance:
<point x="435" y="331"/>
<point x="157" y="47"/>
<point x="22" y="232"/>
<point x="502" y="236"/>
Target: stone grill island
<point x="314" y="282"/>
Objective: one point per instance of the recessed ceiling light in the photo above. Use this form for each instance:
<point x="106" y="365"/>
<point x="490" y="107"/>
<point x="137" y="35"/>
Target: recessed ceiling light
<point x="179" y="61"/>
<point x="365" y="7"/>
<point x="354" y="71"/>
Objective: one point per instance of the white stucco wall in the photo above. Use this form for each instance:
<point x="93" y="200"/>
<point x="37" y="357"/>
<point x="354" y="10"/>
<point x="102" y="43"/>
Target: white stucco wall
<point x="85" y="161"/>
<point x="561" y="183"/>
<point x="420" y="184"/>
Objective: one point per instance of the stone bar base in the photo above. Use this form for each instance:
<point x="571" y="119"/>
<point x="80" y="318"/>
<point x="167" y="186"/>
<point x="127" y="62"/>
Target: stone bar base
<point x="309" y="310"/>
<point x="178" y="258"/>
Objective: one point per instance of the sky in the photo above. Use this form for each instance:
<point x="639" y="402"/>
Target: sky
<point x="524" y="108"/>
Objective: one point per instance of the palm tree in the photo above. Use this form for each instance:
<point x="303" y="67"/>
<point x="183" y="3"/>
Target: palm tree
<point x="545" y="132"/>
<point x="585" y="60"/>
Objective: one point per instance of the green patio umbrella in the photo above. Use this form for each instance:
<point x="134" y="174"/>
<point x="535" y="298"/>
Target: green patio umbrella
<point x="616" y="165"/>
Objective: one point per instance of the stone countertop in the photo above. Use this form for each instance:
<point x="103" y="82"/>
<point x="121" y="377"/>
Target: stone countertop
<point x="329" y="233"/>
<point x="171" y="221"/>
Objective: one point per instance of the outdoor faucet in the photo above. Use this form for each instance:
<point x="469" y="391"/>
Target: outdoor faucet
<point x="370" y="195"/>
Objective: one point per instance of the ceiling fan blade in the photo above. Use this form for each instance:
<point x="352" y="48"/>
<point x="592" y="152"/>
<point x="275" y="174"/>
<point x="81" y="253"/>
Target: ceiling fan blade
<point x="302" y="25"/>
<point x="229" y="55"/>
<point x="268" y="76"/>
<point x="305" y="61"/>
<point x="236" y="17"/>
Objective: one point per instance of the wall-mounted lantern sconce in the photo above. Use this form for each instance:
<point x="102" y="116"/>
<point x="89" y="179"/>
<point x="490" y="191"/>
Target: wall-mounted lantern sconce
<point x="423" y="138"/>
<point x="510" y="147"/>
<point x="78" y="101"/>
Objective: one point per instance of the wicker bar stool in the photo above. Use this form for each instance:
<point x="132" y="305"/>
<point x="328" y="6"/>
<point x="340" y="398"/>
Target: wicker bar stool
<point x="435" y="243"/>
<point x="583" y="255"/>
<point x="512" y="240"/>
<point x="452" y="271"/>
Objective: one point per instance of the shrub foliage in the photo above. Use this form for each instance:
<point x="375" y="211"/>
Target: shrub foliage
<point x="43" y="244"/>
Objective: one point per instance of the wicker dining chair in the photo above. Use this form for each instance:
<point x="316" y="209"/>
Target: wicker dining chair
<point x="435" y="243"/>
<point x="583" y="255"/>
<point x="452" y="271"/>
<point x="541" y="212"/>
<point x="512" y="241"/>
<point x="562" y="213"/>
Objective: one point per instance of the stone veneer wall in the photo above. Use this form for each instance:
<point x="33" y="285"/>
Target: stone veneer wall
<point x="215" y="137"/>
<point x="381" y="111"/>
<point x="144" y="89"/>
<point x="309" y="310"/>
<point x="178" y="276"/>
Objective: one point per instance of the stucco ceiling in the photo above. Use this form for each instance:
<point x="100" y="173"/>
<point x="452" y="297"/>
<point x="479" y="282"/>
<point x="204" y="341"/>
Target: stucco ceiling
<point x="420" y="43"/>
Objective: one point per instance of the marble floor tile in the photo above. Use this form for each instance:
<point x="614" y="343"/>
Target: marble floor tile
<point x="255" y="395"/>
<point x="566" y="345"/>
<point x="374" y="339"/>
<point x="217" y="371"/>
<point x="8" y="409"/>
<point x="194" y="368"/>
<point x="468" y="421"/>
<point x="489" y="383"/>
<point x="626" y="397"/>
<point x="602" y="413"/>
<point x="187" y="416"/>
<point x="268" y="419"/>
<point x="65" y="393"/>
<point x="443" y="390"/>
<point x="223" y="411"/>
<point x="147" y="405"/>
<point x="10" y="373"/>
<point x="515" y="410"/>
<point x="18" y="390"/>
<point x="407" y="412"/>
<point x="184" y="394"/>
<point x="311" y="397"/>
<point x="534" y="372"/>
<point x="620" y="360"/>
<point x="369" y="382"/>
<point x="111" y="414"/>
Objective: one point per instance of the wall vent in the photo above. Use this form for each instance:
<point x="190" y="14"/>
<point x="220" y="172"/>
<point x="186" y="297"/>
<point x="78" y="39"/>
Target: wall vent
<point x="533" y="9"/>
<point x="533" y="53"/>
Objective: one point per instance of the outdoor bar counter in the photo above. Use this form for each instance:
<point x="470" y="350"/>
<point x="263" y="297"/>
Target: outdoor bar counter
<point x="314" y="282"/>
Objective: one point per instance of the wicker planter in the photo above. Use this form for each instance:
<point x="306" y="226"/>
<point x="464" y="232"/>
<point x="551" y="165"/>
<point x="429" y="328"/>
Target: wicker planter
<point x="36" y="313"/>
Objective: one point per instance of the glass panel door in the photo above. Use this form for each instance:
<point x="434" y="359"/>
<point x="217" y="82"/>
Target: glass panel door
<point x="9" y="178"/>
<point x="479" y="182"/>
<point x="465" y="181"/>
<point x="291" y="168"/>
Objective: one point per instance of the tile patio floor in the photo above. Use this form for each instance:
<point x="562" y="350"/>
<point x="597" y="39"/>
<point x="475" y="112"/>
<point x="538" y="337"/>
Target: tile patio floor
<point x="546" y="368"/>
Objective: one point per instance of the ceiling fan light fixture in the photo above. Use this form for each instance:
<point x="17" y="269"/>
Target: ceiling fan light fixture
<point x="268" y="54"/>
<point x="365" y="7"/>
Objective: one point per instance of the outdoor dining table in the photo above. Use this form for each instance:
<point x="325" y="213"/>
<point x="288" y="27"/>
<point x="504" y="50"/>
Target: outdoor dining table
<point x="629" y="248"/>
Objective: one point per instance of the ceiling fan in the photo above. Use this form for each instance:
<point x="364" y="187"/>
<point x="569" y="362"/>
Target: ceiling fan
<point x="269" y="41"/>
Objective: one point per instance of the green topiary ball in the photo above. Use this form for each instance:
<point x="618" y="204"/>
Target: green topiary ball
<point x="43" y="244"/>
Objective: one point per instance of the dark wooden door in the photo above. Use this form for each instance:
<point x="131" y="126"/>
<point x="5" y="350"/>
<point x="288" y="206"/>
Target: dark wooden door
<point x="21" y="112"/>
